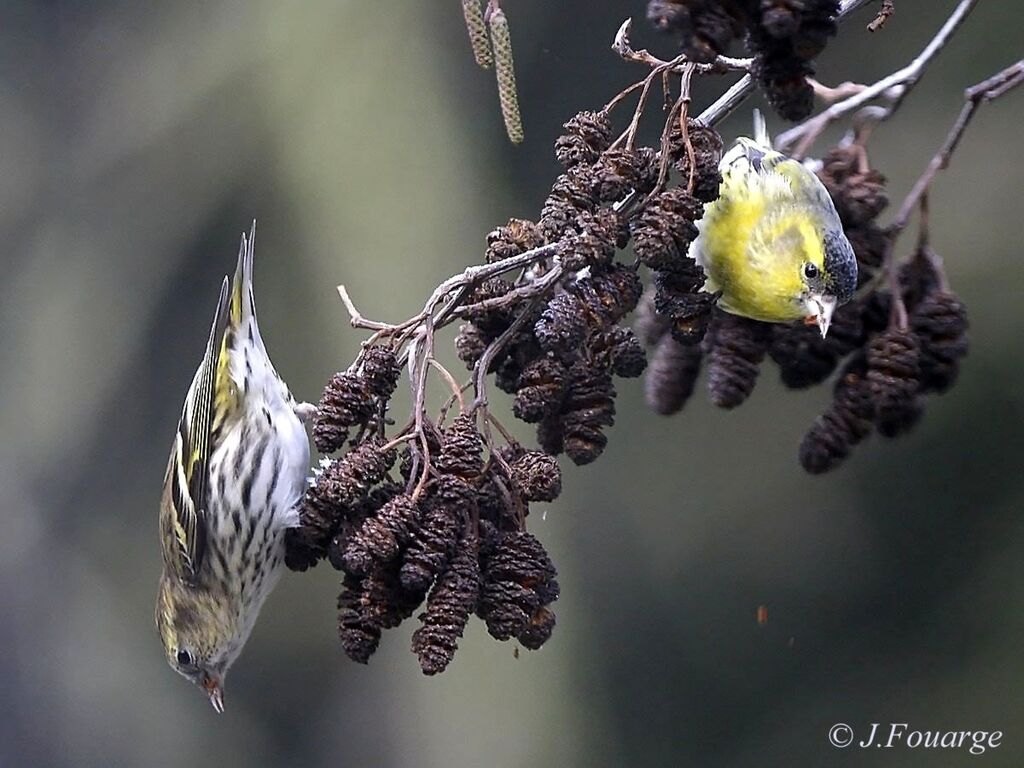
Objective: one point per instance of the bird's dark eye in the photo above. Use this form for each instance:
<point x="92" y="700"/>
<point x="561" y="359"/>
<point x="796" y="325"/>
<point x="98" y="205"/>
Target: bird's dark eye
<point x="185" y="658"/>
<point x="810" y="271"/>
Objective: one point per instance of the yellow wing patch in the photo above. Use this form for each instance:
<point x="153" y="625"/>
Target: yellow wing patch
<point x="189" y="471"/>
<point x="226" y="399"/>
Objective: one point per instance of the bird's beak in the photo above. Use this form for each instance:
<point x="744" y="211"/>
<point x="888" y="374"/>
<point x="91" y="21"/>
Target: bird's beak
<point x="215" y="690"/>
<point x="819" y="311"/>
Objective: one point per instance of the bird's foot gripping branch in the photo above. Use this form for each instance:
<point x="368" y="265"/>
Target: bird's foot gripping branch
<point x="436" y="510"/>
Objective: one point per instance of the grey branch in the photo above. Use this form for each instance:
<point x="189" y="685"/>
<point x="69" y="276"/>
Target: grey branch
<point x="985" y="91"/>
<point x="899" y="83"/>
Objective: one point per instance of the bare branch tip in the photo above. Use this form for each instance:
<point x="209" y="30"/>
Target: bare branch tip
<point x="995" y="86"/>
<point x="887" y="10"/>
<point x="621" y="43"/>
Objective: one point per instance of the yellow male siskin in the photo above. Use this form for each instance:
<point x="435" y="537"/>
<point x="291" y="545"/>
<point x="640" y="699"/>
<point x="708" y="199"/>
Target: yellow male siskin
<point x="237" y="470"/>
<point x="772" y="242"/>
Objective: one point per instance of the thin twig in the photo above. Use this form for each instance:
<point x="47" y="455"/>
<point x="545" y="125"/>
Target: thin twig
<point x="526" y="291"/>
<point x="923" y="230"/>
<point x="455" y="301"/>
<point x="356" y="320"/>
<point x="830" y="95"/>
<point x="888" y="9"/>
<point x="629" y="135"/>
<point x="622" y="95"/>
<point x="419" y="401"/>
<point x="664" y="153"/>
<point x="476" y="274"/>
<point x="501" y="428"/>
<point x="513" y="501"/>
<point x="684" y="114"/>
<point x="456" y="284"/>
<point x="622" y="46"/>
<point x="721" y="64"/>
<point x="403" y="437"/>
<point x="453" y="385"/>
<point x="452" y="399"/>
<point x="725" y="104"/>
<point x="483" y="365"/>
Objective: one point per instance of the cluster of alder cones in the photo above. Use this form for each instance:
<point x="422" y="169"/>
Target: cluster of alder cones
<point x="783" y="36"/>
<point x="460" y="545"/>
<point x="448" y="531"/>
<point x="454" y="543"/>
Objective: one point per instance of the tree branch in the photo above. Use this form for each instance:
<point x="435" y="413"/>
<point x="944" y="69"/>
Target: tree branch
<point x="985" y="91"/>
<point x="899" y="84"/>
<point x="622" y="46"/>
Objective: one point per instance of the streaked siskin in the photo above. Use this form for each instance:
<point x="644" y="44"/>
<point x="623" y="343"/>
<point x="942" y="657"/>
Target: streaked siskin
<point x="237" y="469"/>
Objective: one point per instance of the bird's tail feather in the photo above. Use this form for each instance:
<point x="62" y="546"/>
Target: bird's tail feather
<point x="243" y="305"/>
<point x="761" y="130"/>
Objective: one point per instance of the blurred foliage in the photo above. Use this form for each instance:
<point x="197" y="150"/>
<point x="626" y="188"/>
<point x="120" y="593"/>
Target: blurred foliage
<point x="137" y="141"/>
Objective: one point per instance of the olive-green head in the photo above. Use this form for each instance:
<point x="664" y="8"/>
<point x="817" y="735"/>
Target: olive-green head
<point x="197" y="634"/>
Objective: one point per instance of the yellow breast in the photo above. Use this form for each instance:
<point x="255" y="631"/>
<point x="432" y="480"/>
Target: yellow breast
<point x="753" y="242"/>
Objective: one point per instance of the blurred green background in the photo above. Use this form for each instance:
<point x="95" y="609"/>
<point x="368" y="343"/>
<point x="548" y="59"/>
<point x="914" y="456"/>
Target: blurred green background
<point x="138" y="140"/>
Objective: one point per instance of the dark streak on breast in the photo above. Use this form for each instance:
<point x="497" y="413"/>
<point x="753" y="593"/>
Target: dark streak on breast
<point x="222" y="560"/>
<point x="273" y="475"/>
<point x="249" y="534"/>
<point x="254" y="463"/>
<point x="240" y="453"/>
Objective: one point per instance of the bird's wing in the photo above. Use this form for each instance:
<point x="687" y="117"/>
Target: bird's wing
<point x="781" y="177"/>
<point x="189" y="470"/>
<point x="807" y="187"/>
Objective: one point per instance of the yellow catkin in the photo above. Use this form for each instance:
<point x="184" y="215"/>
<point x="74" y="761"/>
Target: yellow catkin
<point x="477" y="29"/>
<point x="501" y="42"/>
